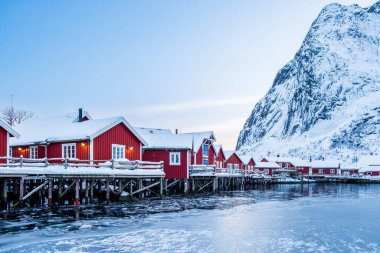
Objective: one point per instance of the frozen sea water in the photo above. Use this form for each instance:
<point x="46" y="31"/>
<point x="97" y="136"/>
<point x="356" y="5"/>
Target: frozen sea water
<point x="281" y="218"/>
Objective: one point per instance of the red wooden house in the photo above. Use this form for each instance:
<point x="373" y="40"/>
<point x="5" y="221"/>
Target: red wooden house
<point x="233" y="161"/>
<point x="91" y="139"/>
<point x="248" y="163"/>
<point x="290" y="163"/>
<point x="220" y="156"/>
<point x="6" y="132"/>
<point x="371" y="170"/>
<point x="347" y="170"/>
<point x="323" y="168"/>
<point x="266" y="168"/>
<point x="178" y="151"/>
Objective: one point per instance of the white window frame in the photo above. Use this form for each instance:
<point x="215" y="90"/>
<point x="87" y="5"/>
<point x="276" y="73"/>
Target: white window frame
<point x="33" y="152"/>
<point x="266" y="171"/>
<point x="332" y="171"/>
<point x="71" y="153"/>
<point x="230" y="166"/>
<point x="320" y="171"/>
<point x="203" y="162"/>
<point x="175" y="158"/>
<point x="236" y="166"/>
<point x="10" y="154"/>
<point x="118" y="151"/>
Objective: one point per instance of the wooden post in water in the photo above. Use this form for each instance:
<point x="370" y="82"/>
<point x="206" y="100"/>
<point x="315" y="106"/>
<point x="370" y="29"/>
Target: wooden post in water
<point x="4" y="191"/>
<point x="86" y="193"/>
<point x="77" y="198"/>
<point x="21" y="192"/>
<point x="92" y="191"/>
<point x="161" y="187"/>
<point x="140" y="187"/>
<point x="193" y="186"/>
<point x="215" y="184"/>
<point x="130" y="189"/>
<point x="187" y="186"/>
<point x="108" y="190"/>
<point x="50" y="193"/>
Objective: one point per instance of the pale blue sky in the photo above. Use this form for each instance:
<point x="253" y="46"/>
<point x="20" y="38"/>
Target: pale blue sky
<point x="192" y="65"/>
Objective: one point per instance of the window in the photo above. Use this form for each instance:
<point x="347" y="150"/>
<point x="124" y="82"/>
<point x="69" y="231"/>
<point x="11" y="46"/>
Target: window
<point x="320" y="171"/>
<point x="69" y="150"/>
<point x="332" y="171"/>
<point x="175" y="158"/>
<point x="257" y="170"/>
<point x="10" y="152"/>
<point x="236" y="166"/>
<point x="33" y="152"/>
<point x="229" y="166"/>
<point x="118" y="151"/>
<point x="205" y="150"/>
<point x="205" y="161"/>
<point x="266" y="171"/>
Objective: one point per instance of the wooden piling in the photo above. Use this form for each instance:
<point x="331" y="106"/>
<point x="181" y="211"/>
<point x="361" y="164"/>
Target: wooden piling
<point x="108" y="190"/>
<point x="77" y="198"/>
<point x="21" y="191"/>
<point x="50" y="193"/>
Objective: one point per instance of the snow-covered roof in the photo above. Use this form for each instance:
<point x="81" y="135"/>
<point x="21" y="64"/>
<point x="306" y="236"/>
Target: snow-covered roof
<point x="157" y="139"/>
<point x="297" y="162"/>
<point x="324" y="164"/>
<point x="267" y="165"/>
<point x="9" y="129"/>
<point x="218" y="147"/>
<point x="61" y="128"/>
<point x="74" y="116"/>
<point x="245" y="159"/>
<point x="164" y="138"/>
<point x="370" y="168"/>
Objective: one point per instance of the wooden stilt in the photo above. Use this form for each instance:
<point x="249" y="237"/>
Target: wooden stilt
<point x="131" y="189"/>
<point x="140" y="187"/>
<point x="108" y="191"/>
<point x="161" y="187"/>
<point x="21" y="192"/>
<point x="50" y="193"/>
<point x="92" y="192"/>
<point x="86" y="193"/>
<point x="77" y="197"/>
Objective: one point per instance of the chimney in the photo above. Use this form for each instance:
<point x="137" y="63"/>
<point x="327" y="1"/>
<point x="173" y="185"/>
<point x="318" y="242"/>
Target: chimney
<point x="176" y="131"/>
<point x="80" y="115"/>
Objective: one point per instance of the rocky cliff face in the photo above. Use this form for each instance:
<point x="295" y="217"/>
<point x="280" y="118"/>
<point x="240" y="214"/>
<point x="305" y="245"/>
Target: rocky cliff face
<point x="326" y="101"/>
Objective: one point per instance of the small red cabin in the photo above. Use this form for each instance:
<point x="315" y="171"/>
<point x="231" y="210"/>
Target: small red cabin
<point x="266" y="168"/>
<point x="220" y="156"/>
<point x="248" y="163"/>
<point x="233" y="161"/>
<point x="371" y="170"/>
<point x="92" y="139"/>
<point x="6" y="132"/>
<point x="321" y="168"/>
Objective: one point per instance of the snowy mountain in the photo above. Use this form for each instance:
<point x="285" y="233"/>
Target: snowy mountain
<point x="326" y="101"/>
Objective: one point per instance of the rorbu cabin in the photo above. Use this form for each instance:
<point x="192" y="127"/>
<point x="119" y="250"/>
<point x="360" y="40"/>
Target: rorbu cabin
<point x="248" y="163"/>
<point x="178" y="151"/>
<point x="220" y="156"/>
<point x="6" y="132"/>
<point x="233" y="161"/>
<point x="324" y="168"/>
<point x="370" y="166"/>
<point x="347" y="170"/>
<point x="290" y="163"/>
<point x="75" y="139"/>
<point x="171" y="149"/>
<point x="266" y="168"/>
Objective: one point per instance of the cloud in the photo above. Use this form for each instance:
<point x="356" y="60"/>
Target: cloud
<point x="192" y="105"/>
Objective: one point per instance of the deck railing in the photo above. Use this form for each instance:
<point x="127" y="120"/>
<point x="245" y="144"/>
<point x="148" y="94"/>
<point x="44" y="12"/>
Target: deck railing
<point x="21" y="162"/>
<point x="202" y="170"/>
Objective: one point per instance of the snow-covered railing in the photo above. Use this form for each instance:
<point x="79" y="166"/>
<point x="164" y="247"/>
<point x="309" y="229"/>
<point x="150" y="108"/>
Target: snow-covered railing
<point x="230" y="171"/>
<point x="199" y="170"/>
<point x="122" y="164"/>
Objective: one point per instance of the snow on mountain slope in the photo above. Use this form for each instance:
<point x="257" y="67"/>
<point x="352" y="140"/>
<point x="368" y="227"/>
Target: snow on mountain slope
<point x="326" y="101"/>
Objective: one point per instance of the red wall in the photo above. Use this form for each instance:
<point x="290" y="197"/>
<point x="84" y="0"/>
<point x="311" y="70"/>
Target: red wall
<point x="325" y="171"/>
<point x="303" y="170"/>
<point x="121" y="135"/>
<point x="25" y="151"/>
<point x="373" y="173"/>
<point x="82" y="152"/>
<point x="211" y="155"/>
<point x="234" y="159"/>
<point x="250" y="163"/>
<point x="3" y="144"/>
<point x="221" y="158"/>
<point x="171" y="171"/>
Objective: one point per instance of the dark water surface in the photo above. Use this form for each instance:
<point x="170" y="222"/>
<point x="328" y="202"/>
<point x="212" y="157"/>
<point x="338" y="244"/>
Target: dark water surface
<point x="280" y="218"/>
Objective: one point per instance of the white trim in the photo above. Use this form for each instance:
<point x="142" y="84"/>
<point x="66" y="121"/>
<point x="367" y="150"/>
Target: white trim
<point x="9" y="129"/>
<point x="69" y="145"/>
<point x="120" y="151"/>
<point x="8" y="155"/>
<point x="179" y="158"/>
<point x="141" y="152"/>
<point x="91" y="150"/>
